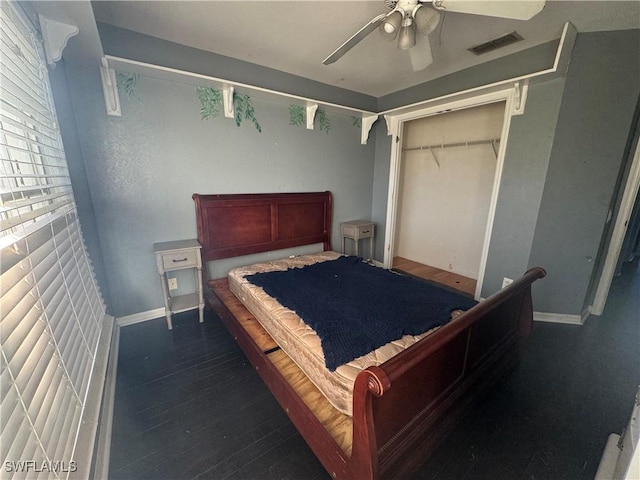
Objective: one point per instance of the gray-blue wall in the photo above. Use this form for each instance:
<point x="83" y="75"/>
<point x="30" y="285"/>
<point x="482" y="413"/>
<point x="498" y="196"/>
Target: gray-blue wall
<point x="78" y="174"/>
<point x="523" y="177"/>
<point x="142" y="168"/>
<point x="600" y="95"/>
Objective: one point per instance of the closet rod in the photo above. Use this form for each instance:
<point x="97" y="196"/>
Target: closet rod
<point x="457" y="144"/>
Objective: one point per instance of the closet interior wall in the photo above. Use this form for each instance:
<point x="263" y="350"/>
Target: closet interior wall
<point x="448" y="166"/>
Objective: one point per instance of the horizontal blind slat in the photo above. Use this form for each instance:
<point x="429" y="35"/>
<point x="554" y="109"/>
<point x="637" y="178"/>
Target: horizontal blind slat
<point x="62" y="423"/>
<point x="42" y="382"/>
<point x="47" y="408"/>
<point x="30" y="201"/>
<point x="53" y="159"/>
<point x="58" y="410"/>
<point x="22" y="366"/>
<point x="33" y="215"/>
<point x="9" y="402"/>
<point x="21" y="106"/>
<point x="28" y="132"/>
<point x="31" y="324"/>
<point x="24" y="309"/>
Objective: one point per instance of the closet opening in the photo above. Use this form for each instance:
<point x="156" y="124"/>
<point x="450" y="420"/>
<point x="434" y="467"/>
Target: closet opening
<point x="444" y="179"/>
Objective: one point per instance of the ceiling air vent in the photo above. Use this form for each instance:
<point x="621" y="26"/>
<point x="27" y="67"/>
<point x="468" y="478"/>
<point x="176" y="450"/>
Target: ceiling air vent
<point x="496" y="43"/>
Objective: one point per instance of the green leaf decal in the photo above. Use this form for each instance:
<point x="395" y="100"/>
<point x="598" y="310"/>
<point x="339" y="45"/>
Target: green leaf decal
<point x="296" y="115"/>
<point x="126" y="83"/>
<point x="210" y="102"/>
<point x="245" y="111"/>
<point x="323" y="121"/>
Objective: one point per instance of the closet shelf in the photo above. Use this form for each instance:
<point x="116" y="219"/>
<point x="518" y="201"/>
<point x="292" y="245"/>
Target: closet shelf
<point x="455" y="144"/>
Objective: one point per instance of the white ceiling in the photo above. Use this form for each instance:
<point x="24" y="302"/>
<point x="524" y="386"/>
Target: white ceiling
<point x="296" y="36"/>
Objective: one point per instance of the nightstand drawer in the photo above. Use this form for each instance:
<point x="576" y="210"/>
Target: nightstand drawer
<point x="181" y="259"/>
<point x="357" y="231"/>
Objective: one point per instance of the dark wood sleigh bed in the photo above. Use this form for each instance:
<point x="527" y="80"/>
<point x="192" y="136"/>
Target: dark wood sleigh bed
<point x="401" y="408"/>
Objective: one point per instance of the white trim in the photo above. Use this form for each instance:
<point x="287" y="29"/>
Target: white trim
<point x="55" y="36"/>
<point x="110" y="89"/>
<point x="311" y="114"/>
<point x="396" y="122"/>
<point x="617" y="237"/>
<point x="86" y="440"/>
<point x="560" y="318"/>
<point x="103" y="448"/>
<point x="521" y="90"/>
<point x="559" y="68"/>
<point x="174" y="74"/>
<point x="609" y="459"/>
<point x="227" y="101"/>
<point x="509" y="111"/>
<point x="140" y="317"/>
<point x="367" y="123"/>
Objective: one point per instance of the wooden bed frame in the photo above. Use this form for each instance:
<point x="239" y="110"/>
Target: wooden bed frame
<point x="402" y="408"/>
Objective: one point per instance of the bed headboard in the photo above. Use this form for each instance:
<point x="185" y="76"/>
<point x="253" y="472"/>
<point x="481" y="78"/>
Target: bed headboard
<point x="241" y="224"/>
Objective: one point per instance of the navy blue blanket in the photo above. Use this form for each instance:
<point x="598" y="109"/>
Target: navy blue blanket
<point x="355" y="307"/>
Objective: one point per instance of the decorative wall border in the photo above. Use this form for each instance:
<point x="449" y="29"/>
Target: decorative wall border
<point x="111" y="63"/>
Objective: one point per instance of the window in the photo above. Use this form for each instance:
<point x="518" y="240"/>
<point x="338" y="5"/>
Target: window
<point x="51" y="311"/>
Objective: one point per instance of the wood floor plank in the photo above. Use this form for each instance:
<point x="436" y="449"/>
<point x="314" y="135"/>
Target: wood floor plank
<point x="443" y="277"/>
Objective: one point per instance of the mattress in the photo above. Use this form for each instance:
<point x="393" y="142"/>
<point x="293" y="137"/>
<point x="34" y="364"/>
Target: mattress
<point x="299" y="341"/>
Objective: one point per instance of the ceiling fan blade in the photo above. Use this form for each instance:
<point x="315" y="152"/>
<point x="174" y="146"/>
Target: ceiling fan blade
<point x="355" y="39"/>
<point x="515" y="9"/>
<point x="420" y="54"/>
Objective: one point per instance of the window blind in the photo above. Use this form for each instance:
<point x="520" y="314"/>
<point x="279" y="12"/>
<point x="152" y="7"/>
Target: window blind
<point x="52" y="313"/>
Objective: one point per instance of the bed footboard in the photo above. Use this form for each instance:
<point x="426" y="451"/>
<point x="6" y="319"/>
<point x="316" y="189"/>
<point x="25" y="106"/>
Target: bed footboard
<point x="402" y="408"/>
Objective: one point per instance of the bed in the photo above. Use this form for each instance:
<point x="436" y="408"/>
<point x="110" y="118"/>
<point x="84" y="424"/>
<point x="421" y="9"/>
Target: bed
<point x="397" y="409"/>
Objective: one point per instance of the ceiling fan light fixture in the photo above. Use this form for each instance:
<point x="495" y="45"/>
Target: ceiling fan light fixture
<point x="426" y="19"/>
<point x="391" y="25"/>
<point x="407" y="36"/>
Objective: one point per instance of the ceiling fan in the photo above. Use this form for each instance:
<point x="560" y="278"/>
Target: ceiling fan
<point x="411" y="22"/>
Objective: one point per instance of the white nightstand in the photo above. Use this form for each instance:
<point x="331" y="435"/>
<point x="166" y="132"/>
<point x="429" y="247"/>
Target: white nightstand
<point x="357" y="230"/>
<point x="179" y="255"/>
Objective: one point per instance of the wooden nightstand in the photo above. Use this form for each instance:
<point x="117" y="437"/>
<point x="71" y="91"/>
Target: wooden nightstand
<point x="179" y="255"/>
<point x="356" y="230"/>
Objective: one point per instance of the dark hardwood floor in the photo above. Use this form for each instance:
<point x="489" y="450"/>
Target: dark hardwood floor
<point x="188" y="405"/>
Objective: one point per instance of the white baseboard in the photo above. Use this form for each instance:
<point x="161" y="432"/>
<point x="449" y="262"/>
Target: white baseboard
<point x="140" y="317"/>
<point x="559" y="318"/>
<point x="537" y="317"/>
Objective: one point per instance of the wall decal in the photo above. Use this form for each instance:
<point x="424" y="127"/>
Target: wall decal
<point x="127" y="83"/>
<point x="245" y="110"/>
<point x="211" y="101"/>
<point x="323" y="120"/>
<point x="296" y="115"/>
